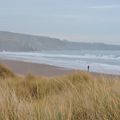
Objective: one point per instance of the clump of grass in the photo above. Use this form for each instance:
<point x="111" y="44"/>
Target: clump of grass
<point x="5" y="72"/>
<point x="78" y="96"/>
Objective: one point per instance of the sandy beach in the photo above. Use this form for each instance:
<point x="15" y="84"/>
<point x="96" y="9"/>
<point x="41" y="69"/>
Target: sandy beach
<point x="23" y="68"/>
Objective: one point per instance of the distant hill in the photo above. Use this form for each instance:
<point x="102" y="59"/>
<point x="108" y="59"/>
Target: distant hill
<point x="22" y="42"/>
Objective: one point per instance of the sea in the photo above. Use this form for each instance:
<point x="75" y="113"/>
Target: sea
<point x="102" y="61"/>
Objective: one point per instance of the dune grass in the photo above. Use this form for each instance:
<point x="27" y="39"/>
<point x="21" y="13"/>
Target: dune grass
<point x="78" y="96"/>
<point x="5" y="72"/>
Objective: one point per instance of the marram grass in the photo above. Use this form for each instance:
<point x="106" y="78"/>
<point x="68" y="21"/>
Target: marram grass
<point x="78" y="96"/>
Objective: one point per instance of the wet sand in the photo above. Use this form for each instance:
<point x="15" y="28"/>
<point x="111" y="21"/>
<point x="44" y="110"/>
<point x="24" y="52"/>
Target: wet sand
<point x="23" y="68"/>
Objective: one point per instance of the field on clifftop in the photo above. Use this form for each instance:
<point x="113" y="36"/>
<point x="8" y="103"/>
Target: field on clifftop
<point x="77" y="96"/>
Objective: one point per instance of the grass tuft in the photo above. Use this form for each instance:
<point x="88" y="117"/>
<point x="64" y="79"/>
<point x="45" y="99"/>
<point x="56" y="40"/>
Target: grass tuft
<point x="5" y="72"/>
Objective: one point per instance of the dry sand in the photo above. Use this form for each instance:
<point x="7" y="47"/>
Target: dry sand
<point x="23" y="68"/>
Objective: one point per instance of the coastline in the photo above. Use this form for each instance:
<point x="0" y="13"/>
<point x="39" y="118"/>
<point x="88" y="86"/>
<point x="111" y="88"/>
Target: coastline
<point x="24" y="68"/>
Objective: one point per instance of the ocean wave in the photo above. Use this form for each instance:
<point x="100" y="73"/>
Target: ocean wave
<point x="85" y="55"/>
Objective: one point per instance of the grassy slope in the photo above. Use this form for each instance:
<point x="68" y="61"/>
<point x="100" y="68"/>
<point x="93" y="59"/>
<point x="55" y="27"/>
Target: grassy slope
<point x="79" y="96"/>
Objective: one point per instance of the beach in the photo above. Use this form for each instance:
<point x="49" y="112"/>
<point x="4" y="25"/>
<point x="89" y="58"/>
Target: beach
<point x="23" y="68"/>
<point x="104" y="62"/>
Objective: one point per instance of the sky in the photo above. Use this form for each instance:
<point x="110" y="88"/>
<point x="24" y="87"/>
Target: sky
<point x="74" y="20"/>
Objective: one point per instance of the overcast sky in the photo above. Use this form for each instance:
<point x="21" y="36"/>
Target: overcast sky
<point x="76" y="20"/>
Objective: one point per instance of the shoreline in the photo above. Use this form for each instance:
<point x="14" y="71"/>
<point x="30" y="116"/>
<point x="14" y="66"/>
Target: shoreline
<point x="24" y="68"/>
<point x="63" y="62"/>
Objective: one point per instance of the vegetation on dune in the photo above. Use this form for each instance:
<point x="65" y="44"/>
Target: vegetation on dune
<point x="6" y="72"/>
<point x="78" y="96"/>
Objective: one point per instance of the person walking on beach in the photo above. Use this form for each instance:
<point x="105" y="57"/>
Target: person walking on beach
<point x="88" y="68"/>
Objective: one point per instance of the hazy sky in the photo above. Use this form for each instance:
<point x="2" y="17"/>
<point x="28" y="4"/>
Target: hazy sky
<point x="77" y="20"/>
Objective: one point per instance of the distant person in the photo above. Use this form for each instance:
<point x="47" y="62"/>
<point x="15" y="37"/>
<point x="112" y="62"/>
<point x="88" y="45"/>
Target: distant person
<point x="88" y="68"/>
